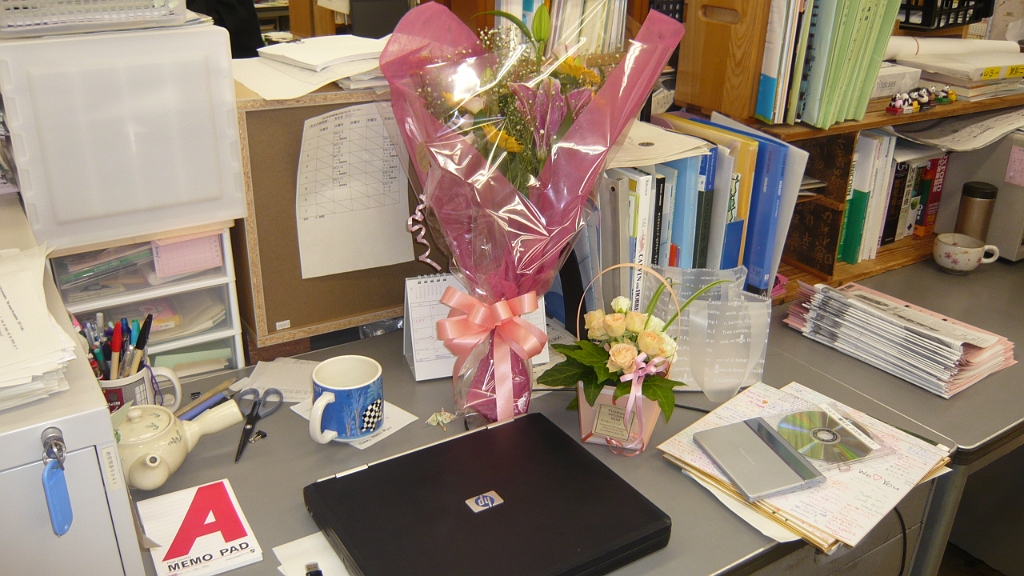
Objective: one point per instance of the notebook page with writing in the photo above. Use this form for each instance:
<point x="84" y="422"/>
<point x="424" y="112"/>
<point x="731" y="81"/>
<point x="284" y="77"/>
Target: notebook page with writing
<point x="425" y="352"/>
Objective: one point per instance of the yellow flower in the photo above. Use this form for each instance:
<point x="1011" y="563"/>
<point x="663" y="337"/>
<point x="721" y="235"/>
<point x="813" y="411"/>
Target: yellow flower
<point x="621" y="357"/>
<point x="502" y="139"/>
<point x="572" y="67"/>
<point x="620" y="304"/>
<point x="595" y="325"/>
<point x="615" y="324"/>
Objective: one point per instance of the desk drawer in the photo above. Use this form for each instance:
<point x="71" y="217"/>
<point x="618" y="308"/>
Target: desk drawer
<point x="145" y="270"/>
<point x="199" y="359"/>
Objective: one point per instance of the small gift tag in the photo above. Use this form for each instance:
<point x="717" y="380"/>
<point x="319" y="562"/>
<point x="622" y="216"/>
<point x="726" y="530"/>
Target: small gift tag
<point x="609" y="422"/>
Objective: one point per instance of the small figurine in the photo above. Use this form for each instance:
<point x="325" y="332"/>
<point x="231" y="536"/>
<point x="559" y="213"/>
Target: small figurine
<point x="950" y="94"/>
<point x="896" y="104"/>
<point x="921" y="98"/>
<point x="942" y="97"/>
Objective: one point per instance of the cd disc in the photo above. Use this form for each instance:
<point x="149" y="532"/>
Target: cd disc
<point x="817" y="435"/>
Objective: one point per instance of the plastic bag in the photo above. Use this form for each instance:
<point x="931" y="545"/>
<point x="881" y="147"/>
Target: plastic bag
<point x="508" y="145"/>
<point x="723" y="337"/>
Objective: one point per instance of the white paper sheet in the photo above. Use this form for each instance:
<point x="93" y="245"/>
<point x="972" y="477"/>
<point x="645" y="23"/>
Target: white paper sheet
<point x="394" y="420"/>
<point x="771" y="529"/>
<point x="294" y="556"/>
<point x="278" y="81"/>
<point x="294" y="378"/>
<point x="963" y="133"/>
<point x="351" y="202"/>
<point x="648" y="144"/>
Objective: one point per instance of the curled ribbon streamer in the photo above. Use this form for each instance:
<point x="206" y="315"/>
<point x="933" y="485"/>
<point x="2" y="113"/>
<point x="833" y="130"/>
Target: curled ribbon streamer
<point x="470" y="321"/>
<point x="420" y="231"/>
<point x="642" y="370"/>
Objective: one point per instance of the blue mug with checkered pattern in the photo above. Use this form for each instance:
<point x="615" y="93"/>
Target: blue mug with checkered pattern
<point x="348" y="399"/>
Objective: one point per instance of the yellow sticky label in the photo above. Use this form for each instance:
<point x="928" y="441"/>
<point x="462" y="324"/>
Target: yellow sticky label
<point x="990" y="73"/>
<point x="1015" y="72"/>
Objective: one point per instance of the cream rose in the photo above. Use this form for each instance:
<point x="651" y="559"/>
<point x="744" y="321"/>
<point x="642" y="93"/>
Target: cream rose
<point x="620" y="304"/>
<point x="649" y="343"/>
<point x="668" y="346"/>
<point x="594" y="319"/>
<point x="621" y="357"/>
<point x="656" y="324"/>
<point x="635" y="322"/>
<point x="615" y="325"/>
<point x="597" y="333"/>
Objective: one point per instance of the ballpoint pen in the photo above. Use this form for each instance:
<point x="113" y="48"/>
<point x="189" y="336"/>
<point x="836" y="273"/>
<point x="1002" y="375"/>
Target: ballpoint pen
<point x="140" y="344"/>
<point x="98" y="353"/>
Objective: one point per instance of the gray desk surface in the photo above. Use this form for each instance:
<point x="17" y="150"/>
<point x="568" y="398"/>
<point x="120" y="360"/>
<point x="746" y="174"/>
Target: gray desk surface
<point x="706" y="537"/>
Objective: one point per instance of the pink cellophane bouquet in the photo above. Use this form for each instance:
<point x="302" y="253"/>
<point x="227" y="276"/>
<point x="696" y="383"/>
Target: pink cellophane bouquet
<point x="508" y="145"/>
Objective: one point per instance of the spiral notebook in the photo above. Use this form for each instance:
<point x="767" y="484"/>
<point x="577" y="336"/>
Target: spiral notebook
<point x="425" y="352"/>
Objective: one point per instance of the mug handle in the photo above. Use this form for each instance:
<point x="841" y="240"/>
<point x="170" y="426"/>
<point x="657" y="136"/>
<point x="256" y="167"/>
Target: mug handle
<point x="175" y="382"/>
<point x="316" y="417"/>
<point x="990" y="259"/>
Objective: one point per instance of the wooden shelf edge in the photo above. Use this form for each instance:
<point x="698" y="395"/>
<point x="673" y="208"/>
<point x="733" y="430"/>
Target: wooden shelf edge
<point x="896" y="255"/>
<point x="880" y="119"/>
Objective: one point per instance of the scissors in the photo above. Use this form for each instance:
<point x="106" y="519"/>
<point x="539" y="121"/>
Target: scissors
<point x="255" y="406"/>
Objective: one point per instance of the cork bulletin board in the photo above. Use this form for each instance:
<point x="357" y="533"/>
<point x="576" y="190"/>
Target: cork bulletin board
<point x="275" y="302"/>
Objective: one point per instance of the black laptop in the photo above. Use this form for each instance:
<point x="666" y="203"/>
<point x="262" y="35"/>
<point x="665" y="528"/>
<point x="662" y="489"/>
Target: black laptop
<point x="519" y="498"/>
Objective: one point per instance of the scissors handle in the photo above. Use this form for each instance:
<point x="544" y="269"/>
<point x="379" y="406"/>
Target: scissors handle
<point x="271" y="401"/>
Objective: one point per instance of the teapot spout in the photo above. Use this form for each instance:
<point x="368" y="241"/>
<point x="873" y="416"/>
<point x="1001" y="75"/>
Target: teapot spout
<point x="149" y="472"/>
<point x="213" y="420"/>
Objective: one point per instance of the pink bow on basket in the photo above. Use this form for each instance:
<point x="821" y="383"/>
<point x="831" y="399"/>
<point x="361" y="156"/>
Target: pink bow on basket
<point x="471" y="321"/>
<point x="642" y="370"/>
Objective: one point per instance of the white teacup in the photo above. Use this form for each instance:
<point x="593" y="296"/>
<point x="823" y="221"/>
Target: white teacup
<point x="960" y="253"/>
<point x="140" y="388"/>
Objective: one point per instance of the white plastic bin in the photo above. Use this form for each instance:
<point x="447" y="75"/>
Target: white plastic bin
<point x="123" y="133"/>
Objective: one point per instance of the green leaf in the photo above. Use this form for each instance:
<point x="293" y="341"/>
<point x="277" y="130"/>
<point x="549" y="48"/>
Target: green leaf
<point x="519" y="23"/>
<point x="566" y="374"/>
<point x="592" y="389"/>
<point x="592" y="355"/>
<point x="565" y="348"/>
<point x="660" y="390"/>
<point x="574" y="404"/>
<point x="662" y="381"/>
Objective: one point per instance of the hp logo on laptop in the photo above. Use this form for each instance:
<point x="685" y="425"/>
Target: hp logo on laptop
<point x="484" y="501"/>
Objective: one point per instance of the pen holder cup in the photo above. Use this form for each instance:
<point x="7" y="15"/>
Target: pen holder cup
<point x="144" y="387"/>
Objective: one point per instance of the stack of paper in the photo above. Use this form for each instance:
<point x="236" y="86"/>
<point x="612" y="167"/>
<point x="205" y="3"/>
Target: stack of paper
<point x="939" y="354"/>
<point x="34" y="351"/>
<point x="199" y="530"/>
<point x="855" y="496"/>
<point x="294" y="69"/>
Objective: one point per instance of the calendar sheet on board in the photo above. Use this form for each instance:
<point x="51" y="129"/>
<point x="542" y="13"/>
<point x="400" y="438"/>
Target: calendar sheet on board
<point x="351" y="201"/>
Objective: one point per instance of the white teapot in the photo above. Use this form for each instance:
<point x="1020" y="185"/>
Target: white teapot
<point x="153" y="442"/>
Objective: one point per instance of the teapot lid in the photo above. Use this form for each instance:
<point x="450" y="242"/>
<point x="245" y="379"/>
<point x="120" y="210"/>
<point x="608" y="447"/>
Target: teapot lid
<point x="144" y="422"/>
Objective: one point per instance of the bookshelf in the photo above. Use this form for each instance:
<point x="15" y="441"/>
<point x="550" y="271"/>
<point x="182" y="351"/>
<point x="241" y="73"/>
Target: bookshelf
<point x="833" y="146"/>
<point x="881" y="118"/>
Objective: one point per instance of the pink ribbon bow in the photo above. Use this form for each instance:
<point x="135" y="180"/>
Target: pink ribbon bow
<point x="470" y="321"/>
<point x="642" y="370"/>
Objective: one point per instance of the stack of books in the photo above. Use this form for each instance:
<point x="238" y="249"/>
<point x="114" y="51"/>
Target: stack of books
<point x="973" y="77"/>
<point x="821" y="59"/>
<point x="894" y="192"/>
<point x="937" y="353"/>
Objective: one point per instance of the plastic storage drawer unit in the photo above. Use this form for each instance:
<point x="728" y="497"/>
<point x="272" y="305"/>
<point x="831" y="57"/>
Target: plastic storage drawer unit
<point x="123" y="133"/>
